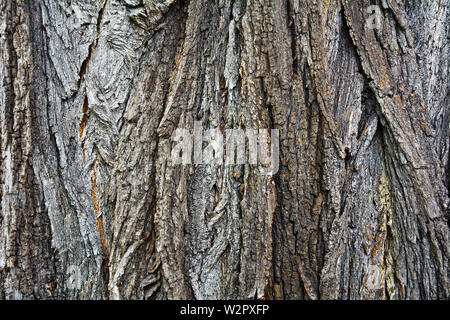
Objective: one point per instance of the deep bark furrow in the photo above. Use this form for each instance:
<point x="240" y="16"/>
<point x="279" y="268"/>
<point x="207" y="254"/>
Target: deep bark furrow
<point x="95" y="206"/>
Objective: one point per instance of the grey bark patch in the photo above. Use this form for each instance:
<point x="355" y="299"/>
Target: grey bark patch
<point x="93" y="207"/>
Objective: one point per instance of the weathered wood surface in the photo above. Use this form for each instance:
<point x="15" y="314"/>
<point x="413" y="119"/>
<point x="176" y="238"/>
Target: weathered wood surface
<point x="91" y="92"/>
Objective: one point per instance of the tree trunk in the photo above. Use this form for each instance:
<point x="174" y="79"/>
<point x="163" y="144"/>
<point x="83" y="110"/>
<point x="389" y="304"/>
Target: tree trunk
<point x="93" y="206"/>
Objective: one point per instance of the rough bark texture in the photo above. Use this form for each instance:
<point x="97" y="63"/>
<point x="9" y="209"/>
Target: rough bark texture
<point x="91" y="92"/>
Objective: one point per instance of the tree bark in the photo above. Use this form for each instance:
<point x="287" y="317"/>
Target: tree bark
<point x="93" y="208"/>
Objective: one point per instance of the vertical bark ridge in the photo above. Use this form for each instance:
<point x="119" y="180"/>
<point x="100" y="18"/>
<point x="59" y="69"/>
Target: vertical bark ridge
<point x="94" y="207"/>
<point x="26" y="257"/>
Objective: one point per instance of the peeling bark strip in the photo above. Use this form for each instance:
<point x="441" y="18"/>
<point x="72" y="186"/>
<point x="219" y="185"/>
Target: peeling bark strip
<point x="92" y="93"/>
